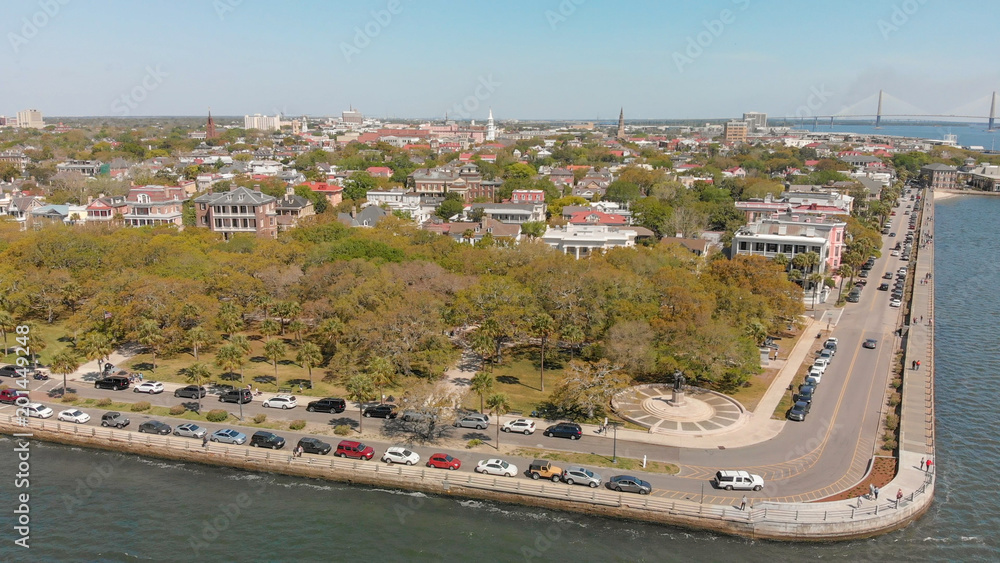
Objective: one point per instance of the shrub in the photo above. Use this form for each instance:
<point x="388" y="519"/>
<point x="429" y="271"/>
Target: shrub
<point x="891" y="421"/>
<point x="342" y="430"/>
<point x="897" y="383"/>
<point x="177" y="410"/>
<point x="216" y="415"/>
<point x="894" y="399"/>
<point x="260" y="418"/>
<point x="297" y="424"/>
<point x="890" y="444"/>
<point x="141" y="406"/>
<point x="473" y="443"/>
<point x="69" y="398"/>
<point x="105" y="402"/>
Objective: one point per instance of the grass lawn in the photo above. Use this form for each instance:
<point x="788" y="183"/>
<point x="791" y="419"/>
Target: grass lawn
<point x="624" y="463"/>
<point x="206" y="406"/>
<point x="56" y="337"/>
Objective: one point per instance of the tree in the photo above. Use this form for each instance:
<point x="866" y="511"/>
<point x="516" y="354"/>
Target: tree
<point x="308" y="357"/>
<point x="449" y="208"/>
<point x="96" y="346"/>
<point x="360" y="389"/>
<point x="9" y="171"/>
<point x="542" y="326"/>
<point x="151" y="336"/>
<point x="589" y="386"/>
<point x="287" y="310"/>
<point x="621" y="191"/>
<point x="269" y="328"/>
<point x="229" y="318"/>
<point x="356" y="187"/>
<point x="534" y="229"/>
<point x="297" y="327"/>
<point x="482" y="384"/>
<point x="274" y="350"/>
<point x="198" y="371"/>
<point x="230" y="358"/>
<point x="198" y="337"/>
<point x="500" y="406"/>
<point x="382" y="373"/>
<point x="65" y="362"/>
<point x="574" y="335"/>
<point x="241" y="342"/>
<point x="7" y="324"/>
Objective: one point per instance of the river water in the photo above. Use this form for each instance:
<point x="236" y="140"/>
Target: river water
<point x="95" y="506"/>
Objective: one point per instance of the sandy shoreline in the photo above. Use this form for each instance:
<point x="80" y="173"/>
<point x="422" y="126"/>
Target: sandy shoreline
<point x="941" y="195"/>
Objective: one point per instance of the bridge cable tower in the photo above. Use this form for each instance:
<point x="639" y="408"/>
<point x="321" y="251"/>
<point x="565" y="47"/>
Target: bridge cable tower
<point x="878" y="113"/>
<point x="993" y="112"/>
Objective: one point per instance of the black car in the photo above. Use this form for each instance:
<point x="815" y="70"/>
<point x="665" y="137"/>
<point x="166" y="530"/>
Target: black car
<point x="314" y="446"/>
<point x="381" y="411"/>
<point x="115" y="419"/>
<point x="799" y="410"/>
<point x="870" y="343"/>
<point x="191" y="392"/>
<point x="155" y="427"/>
<point x="569" y="430"/>
<point x="806" y="393"/>
<point x="331" y="405"/>
<point x="236" y="396"/>
<point x="883" y="287"/>
<point x="265" y="439"/>
<point x="853" y="297"/>
<point x="629" y="484"/>
<point x="115" y="382"/>
<point x="15" y="371"/>
<point x="863" y="274"/>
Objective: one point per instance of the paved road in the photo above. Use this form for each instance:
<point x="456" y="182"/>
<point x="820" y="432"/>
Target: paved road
<point x="809" y="460"/>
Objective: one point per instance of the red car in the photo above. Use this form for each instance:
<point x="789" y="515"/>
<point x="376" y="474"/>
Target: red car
<point x="444" y="461"/>
<point x="357" y="450"/>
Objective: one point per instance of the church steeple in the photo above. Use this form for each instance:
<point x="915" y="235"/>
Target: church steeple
<point x="621" y="124"/>
<point x="491" y="128"/>
<point x="210" y="132"/>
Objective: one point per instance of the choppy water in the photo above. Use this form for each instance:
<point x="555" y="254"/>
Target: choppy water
<point x="94" y="506"/>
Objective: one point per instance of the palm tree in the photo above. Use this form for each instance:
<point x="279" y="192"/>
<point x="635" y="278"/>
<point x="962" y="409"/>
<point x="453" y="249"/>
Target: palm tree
<point x="382" y="373"/>
<point x="287" y="310"/>
<point x="815" y="279"/>
<point x="269" y="327"/>
<point x="96" y="346"/>
<point x="482" y="343"/>
<point x="65" y="362"/>
<point x="230" y="358"/>
<point x="781" y="260"/>
<point x="360" y="389"/>
<point x="229" y="319"/>
<point x="297" y="327"/>
<point x="309" y="356"/>
<point x="151" y="337"/>
<point x="199" y="371"/>
<point x="198" y="337"/>
<point x="482" y="384"/>
<point x="7" y="324"/>
<point x="574" y="335"/>
<point x="542" y="326"/>
<point x="845" y="271"/>
<point x="240" y="341"/>
<point x="274" y="350"/>
<point x="500" y="406"/>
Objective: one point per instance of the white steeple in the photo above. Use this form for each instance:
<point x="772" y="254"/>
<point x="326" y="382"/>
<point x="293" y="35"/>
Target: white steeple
<point x="491" y="129"/>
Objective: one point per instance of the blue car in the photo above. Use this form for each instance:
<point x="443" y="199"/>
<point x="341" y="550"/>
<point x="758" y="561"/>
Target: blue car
<point x="229" y="436"/>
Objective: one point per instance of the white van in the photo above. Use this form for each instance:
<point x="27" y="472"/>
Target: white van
<point x="742" y="480"/>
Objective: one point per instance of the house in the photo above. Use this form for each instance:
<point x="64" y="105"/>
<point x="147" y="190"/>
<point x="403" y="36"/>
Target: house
<point x="589" y="190"/>
<point x="290" y="208"/>
<point x="514" y="213"/>
<point x="698" y="246"/>
<point x="367" y="217"/>
<point x="527" y="196"/>
<point x="985" y="177"/>
<point x="472" y="232"/>
<point x="239" y="210"/>
<point x="155" y="205"/>
<point x="939" y="175"/>
<point x="585" y="240"/>
<point x="597" y="218"/>
<point x="380" y="171"/>
<point x="89" y="168"/>
<point x="561" y="177"/>
<point x="17" y="158"/>
<point x="333" y="193"/>
<point x="792" y="234"/>
<point x="105" y="209"/>
<point x="21" y="206"/>
<point x="437" y="182"/>
<point x="404" y="201"/>
<point x="735" y="172"/>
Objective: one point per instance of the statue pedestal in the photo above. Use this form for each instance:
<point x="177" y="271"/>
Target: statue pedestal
<point x="678" y="399"/>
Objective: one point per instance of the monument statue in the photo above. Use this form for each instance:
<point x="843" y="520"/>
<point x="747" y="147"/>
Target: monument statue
<point x="678" y="381"/>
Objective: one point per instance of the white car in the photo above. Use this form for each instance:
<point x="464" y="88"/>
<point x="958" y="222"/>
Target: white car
<point x="821" y="365"/>
<point x="895" y="303"/>
<point x="496" y="467"/>
<point x="281" y="402"/>
<point x="816" y="374"/>
<point x="151" y="387"/>
<point x="894" y="253"/>
<point x="37" y="410"/>
<point x="74" y="415"/>
<point x="398" y="454"/>
<point x="521" y="425"/>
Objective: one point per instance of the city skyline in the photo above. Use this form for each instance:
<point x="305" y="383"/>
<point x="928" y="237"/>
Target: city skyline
<point x="546" y="60"/>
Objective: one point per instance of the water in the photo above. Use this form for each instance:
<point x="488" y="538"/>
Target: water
<point x="135" y="509"/>
<point x="973" y="134"/>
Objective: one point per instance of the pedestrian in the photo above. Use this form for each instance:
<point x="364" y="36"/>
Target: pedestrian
<point x="929" y="464"/>
<point x="876" y="493"/>
<point x="860" y="498"/>
<point x="871" y="489"/>
<point x="604" y="428"/>
<point x="922" y="463"/>
<point x="743" y="503"/>
<point x="918" y="365"/>
<point x="899" y="497"/>
<point x="204" y="441"/>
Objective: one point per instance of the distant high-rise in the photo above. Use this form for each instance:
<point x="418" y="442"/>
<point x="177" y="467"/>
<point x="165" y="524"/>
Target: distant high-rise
<point x="621" y="124"/>
<point x="491" y="128"/>
<point x="735" y="132"/>
<point x="30" y="119"/>
<point x="756" y="121"/>
<point x="262" y="122"/>
<point x="352" y="116"/>
<point x="210" y="132"/>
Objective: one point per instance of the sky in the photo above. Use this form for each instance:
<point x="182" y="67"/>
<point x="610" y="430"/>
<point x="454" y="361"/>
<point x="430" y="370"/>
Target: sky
<point x="538" y="59"/>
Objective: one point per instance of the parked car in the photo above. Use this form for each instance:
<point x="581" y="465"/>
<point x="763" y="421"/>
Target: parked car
<point x="826" y="355"/>
<point x="569" y="430"/>
<point x="37" y="410"/>
<point x="821" y="364"/>
<point x="10" y="396"/>
<point x="522" y="425"/>
<point x="887" y="276"/>
<point x="443" y="461"/>
<point x="581" y="476"/>
<point x="629" y="484"/>
<point x="241" y="395"/>
<point x="154" y="427"/>
<point x="495" y="466"/>
<point x="191" y="392"/>
<point x="265" y="439"/>
<point x="381" y="411"/>
<point x="870" y="343"/>
<point x="806" y="393"/>
<point x="813" y="380"/>
<point x="314" y="446"/>
<point x="13" y="370"/>
<point x="329" y="404"/>
<point x="114" y="382"/>
<point x="417" y="416"/>
<point x="799" y="411"/>
<point x="399" y="454"/>
<point x="883" y="287"/>
<point x="74" y="415"/>
<point x="831" y="343"/>
<point x="116" y="419"/>
<point x="190" y="430"/>
<point x="357" y="450"/>
<point x="281" y="402"/>
<point x="543" y="469"/>
<point x="853" y="297"/>
<point x="228" y="436"/>
<point x="741" y="480"/>
<point x="475" y="420"/>
<point x="151" y="387"/>
<point x="895" y="303"/>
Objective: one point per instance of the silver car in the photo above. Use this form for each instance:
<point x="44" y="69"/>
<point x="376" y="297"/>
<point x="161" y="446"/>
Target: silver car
<point x="190" y="430"/>
<point x="228" y="436"/>
<point x="477" y="421"/>
<point x="581" y="476"/>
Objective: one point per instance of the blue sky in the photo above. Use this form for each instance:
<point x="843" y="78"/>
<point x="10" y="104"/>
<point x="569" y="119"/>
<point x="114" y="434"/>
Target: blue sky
<point x="525" y="59"/>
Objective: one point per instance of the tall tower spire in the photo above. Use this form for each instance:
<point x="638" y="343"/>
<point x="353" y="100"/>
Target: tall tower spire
<point x="491" y="128"/>
<point x="210" y="132"/>
<point x="878" y="112"/>
<point x="621" y="124"/>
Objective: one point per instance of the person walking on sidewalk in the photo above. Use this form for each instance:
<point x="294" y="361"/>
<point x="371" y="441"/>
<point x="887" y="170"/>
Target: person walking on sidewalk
<point x="929" y="464"/>
<point x="922" y="463"/>
<point x="743" y="503"/>
<point x="899" y="497"/>
<point x="204" y="441"/>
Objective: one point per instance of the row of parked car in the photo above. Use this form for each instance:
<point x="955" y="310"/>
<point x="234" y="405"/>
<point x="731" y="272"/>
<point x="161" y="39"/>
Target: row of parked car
<point x="807" y="390"/>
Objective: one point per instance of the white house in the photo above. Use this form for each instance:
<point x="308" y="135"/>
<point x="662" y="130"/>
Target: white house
<point x="584" y="240"/>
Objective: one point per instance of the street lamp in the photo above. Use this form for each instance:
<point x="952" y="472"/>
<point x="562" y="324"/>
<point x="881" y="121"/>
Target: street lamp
<point x="614" y="442"/>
